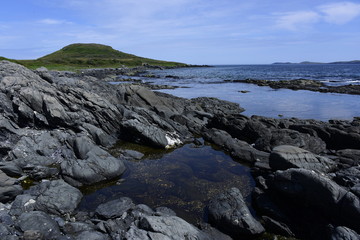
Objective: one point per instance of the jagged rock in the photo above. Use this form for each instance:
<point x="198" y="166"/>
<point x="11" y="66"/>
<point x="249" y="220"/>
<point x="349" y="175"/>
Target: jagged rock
<point x="229" y="213"/>
<point x="286" y="156"/>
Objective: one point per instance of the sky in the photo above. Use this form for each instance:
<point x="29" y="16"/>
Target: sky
<point x="189" y="31"/>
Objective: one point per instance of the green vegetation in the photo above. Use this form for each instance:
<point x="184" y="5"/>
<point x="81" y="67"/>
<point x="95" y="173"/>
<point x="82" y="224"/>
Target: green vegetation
<point x="81" y="56"/>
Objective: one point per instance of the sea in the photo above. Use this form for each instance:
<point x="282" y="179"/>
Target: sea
<point x="186" y="178"/>
<point x="215" y="81"/>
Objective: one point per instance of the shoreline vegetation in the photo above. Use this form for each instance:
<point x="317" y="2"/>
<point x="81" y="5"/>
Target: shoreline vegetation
<point x="86" y="56"/>
<point x="57" y="129"/>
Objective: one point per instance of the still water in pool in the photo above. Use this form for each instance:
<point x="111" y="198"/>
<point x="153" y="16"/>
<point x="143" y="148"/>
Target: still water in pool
<point x="183" y="179"/>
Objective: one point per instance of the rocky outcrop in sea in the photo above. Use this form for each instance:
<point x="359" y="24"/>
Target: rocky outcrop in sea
<point x="56" y="129"/>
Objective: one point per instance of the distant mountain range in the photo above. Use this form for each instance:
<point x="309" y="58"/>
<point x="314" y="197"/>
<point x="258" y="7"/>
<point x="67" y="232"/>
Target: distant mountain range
<point x="307" y="62"/>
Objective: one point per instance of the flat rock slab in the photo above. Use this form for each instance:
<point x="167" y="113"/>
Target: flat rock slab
<point x="286" y="156"/>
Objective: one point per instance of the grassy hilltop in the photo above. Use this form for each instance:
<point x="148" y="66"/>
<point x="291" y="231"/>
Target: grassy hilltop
<point x="80" y="56"/>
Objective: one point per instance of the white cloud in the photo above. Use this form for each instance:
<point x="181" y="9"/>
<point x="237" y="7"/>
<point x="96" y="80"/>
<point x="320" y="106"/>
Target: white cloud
<point x="340" y="13"/>
<point x="297" y="20"/>
<point x="49" y="21"/>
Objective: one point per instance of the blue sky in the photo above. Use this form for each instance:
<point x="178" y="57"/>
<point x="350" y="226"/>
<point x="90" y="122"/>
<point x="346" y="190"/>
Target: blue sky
<point x="190" y="31"/>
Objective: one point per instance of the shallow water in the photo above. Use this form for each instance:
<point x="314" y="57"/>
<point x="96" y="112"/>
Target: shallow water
<point x="183" y="179"/>
<point x="264" y="101"/>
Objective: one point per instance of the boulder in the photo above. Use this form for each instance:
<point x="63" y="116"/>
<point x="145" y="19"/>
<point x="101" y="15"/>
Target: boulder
<point x="39" y="221"/>
<point x="237" y="148"/>
<point x="91" y="235"/>
<point x="58" y="197"/>
<point x="229" y="213"/>
<point x="8" y="188"/>
<point x="290" y="137"/>
<point x="22" y="203"/>
<point x="343" y="233"/>
<point x="285" y="156"/>
<point x="170" y="227"/>
<point x="348" y="177"/>
<point x="94" y="164"/>
<point x="115" y="208"/>
<point x="308" y="188"/>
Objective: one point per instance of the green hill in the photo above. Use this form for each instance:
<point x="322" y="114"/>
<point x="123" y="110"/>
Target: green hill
<point x="79" y="56"/>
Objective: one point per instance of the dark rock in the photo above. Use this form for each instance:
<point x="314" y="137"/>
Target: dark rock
<point x="343" y="233"/>
<point x="164" y="211"/>
<point x="77" y="227"/>
<point x="308" y="188"/>
<point x="8" y="188"/>
<point x="277" y="227"/>
<point x="57" y="197"/>
<point x="286" y="156"/>
<point x="94" y="165"/>
<point x="170" y="227"/>
<point x="237" y="148"/>
<point x="92" y="235"/>
<point x="41" y="172"/>
<point x="229" y="213"/>
<point x="11" y="169"/>
<point x="40" y="222"/>
<point x="22" y="203"/>
<point x="115" y="208"/>
<point x="290" y="137"/>
<point x="348" y="177"/>
<point x="33" y="235"/>
<point x="131" y="154"/>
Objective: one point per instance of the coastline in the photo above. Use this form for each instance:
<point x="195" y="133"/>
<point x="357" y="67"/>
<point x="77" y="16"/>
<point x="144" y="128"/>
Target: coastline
<point x="59" y="125"/>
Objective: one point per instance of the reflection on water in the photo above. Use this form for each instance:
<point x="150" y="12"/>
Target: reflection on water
<point x="183" y="179"/>
<point x="264" y="101"/>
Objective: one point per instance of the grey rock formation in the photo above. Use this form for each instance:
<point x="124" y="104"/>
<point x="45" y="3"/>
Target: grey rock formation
<point x="229" y="213"/>
<point x="285" y="156"/>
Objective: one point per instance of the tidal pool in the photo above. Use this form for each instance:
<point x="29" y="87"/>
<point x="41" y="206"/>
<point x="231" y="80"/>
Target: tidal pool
<point x="183" y="179"/>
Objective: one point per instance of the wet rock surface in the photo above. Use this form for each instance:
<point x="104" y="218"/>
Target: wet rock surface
<point x="56" y="129"/>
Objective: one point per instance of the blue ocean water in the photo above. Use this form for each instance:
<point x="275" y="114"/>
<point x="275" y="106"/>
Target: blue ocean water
<point x="264" y="101"/>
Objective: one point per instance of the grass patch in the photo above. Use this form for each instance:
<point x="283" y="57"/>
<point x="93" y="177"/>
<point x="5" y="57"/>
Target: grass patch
<point x="82" y="56"/>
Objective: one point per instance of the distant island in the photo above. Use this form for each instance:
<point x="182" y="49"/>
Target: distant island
<point x="307" y="62"/>
<point x="81" y="55"/>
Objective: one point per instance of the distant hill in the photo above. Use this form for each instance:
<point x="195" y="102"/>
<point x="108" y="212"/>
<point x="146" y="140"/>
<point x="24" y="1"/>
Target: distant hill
<point x="81" y="55"/>
<point x="307" y="62"/>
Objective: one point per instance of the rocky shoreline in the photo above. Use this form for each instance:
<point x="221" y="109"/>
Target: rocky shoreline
<point x="304" y="84"/>
<point x="56" y="129"/>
